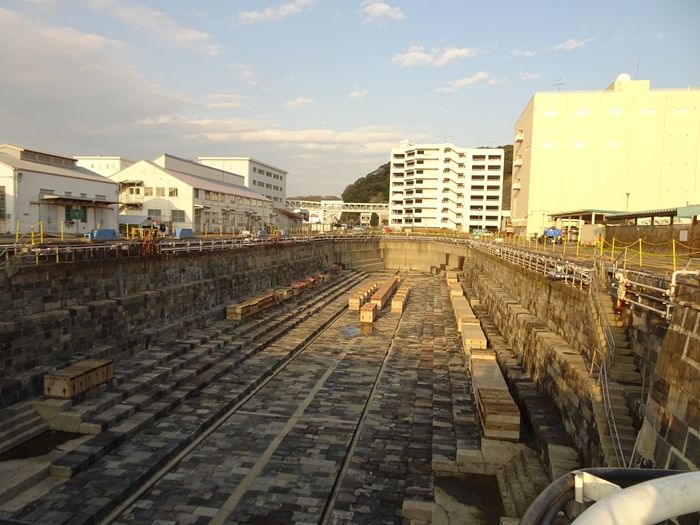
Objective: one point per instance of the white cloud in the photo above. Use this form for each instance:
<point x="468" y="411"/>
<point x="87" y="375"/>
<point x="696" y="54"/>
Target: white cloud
<point x="570" y="44"/>
<point x="159" y="24"/>
<point x="245" y="74"/>
<point x="529" y="76"/>
<point x="517" y="53"/>
<point x="299" y="102"/>
<point x="359" y="93"/>
<point x="480" y="77"/>
<point x="224" y="101"/>
<point x="376" y="11"/>
<point x="567" y="45"/>
<point x="416" y="56"/>
<point x="276" y="12"/>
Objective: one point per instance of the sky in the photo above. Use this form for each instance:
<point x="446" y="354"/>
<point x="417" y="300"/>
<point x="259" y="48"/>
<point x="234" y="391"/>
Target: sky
<point x="320" y="88"/>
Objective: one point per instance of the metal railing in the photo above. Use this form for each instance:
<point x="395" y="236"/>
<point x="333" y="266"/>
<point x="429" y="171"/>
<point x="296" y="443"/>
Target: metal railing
<point x="559" y="269"/>
<point x="606" y="356"/>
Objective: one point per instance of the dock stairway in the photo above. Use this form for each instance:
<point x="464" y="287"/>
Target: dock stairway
<point x="624" y="386"/>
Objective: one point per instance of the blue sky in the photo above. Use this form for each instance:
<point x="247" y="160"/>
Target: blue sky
<point x="320" y="88"/>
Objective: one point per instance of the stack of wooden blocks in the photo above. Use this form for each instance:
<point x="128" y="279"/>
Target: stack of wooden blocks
<point x="398" y="303"/>
<point x="499" y="415"/>
<point x="382" y="295"/>
<point x="252" y="306"/>
<point x="361" y="296"/>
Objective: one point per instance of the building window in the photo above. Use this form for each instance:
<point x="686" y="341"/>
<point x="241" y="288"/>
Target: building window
<point x="148" y="192"/>
<point x="177" y="215"/>
<point x="67" y="194"/>
<point x="100" y="197"/>
<point x="172" y="192"/>
<point x="160" y="192"/>
<point x="134" y="191"/>
<point x="3" y="206"/>
<point x="154" y="214"/>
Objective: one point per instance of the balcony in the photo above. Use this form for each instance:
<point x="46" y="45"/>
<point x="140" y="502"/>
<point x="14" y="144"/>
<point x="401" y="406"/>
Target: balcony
<point x="516" y="185"/>
<point x="518" y="161"/>
<point x="519" y="136"/>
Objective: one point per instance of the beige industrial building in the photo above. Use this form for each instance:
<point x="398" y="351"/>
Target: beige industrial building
<point x="445" y="186"/>
<point x="625" y="148"/>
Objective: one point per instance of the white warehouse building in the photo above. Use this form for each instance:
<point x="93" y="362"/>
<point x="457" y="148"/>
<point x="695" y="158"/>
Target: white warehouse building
<point x="50" y="192"/>
<point x="185" y="194"/>
<point x="258" y="176"/>
<point x="445" y="186"/>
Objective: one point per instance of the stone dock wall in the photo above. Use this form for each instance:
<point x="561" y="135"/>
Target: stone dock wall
<point x="55" y="313"/>
<point x="670" y="434"/>
<point x="549" y="327"/>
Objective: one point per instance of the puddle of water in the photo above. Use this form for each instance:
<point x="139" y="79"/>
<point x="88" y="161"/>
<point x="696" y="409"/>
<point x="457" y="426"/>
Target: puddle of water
<point x="39" y="445"/>
<point x="366" y="328"/>
<point x="475" y="490"/>
<point x="350" y="331"/>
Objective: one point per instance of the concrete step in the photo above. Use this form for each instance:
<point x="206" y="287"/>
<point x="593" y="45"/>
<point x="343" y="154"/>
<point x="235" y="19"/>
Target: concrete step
<point x="12" y="439"/>
<point x="15" y="415"/>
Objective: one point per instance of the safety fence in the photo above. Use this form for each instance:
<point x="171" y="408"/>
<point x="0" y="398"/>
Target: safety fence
<point x="669" y="255"/>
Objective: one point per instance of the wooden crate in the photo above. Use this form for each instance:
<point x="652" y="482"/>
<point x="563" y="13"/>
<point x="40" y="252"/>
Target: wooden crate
<point x="473" y="336"/>
<point x="397" y="305"/>
<point x="77" y="378"/>
<point x="368" y="313"/>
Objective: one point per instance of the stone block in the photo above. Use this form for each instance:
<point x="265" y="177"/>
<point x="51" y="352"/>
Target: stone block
<point x="417" y="510"/>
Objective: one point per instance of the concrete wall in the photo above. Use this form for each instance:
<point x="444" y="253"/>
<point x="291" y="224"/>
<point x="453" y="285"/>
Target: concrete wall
<point x="656" y="238"/>
<point x="421" y="256"/>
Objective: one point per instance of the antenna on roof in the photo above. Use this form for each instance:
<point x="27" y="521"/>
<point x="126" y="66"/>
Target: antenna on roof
<point x="558" y="83"/>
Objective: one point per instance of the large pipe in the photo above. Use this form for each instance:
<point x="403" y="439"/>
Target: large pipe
<point x="647" y="503"/>
<point x="674" y="283"/>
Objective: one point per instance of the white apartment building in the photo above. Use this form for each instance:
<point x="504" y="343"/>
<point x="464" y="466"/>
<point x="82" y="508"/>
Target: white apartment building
<point x="445" y="186"/>
<point x="258" y="176"/>
<point x="177" y="192"/>
<point x="103" y="165"/>
<point x="624" y="148"/>
<point x="49" y="192"/>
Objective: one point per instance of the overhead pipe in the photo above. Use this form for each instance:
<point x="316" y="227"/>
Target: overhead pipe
<point x="647" y="503"/>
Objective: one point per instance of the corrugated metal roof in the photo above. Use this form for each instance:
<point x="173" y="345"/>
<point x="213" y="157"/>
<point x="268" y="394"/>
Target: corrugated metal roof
<point x="576" y="213"/>
<point x="39" y="167"/>
<point x="663" y="212"/>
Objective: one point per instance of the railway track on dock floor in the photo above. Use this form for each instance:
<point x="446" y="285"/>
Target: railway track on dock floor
<point x="325" y="424"/>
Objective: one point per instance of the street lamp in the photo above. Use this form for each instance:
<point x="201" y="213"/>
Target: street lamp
<point x="627" y="202"/>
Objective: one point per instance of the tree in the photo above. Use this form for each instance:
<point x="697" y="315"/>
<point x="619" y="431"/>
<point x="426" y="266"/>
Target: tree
<point x="373" y="187"/>
<point x="374" y="220"/>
